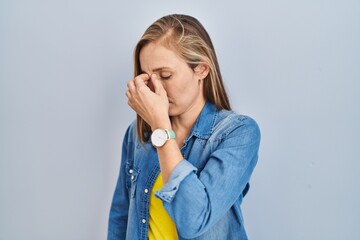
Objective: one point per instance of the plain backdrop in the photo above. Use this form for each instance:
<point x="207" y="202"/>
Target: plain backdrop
<point x="294" y="66"/>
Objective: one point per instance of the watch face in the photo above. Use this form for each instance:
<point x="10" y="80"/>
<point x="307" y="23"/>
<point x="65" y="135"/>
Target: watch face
<point x="158" y="137"/>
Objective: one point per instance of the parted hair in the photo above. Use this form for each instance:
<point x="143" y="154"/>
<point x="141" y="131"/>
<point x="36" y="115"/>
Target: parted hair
<point x="188" y="38"/>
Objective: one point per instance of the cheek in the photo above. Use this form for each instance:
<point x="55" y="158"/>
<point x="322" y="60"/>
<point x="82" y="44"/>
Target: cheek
<point x="182" y="87"/>
<point x="182" y="92"/>
<point x="173" y="93"/>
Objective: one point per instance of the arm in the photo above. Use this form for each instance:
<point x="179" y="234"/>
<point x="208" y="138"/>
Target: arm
<point x="153" y="108"/>
<point x="120" y="203"/>
<point x="197" y="203"/>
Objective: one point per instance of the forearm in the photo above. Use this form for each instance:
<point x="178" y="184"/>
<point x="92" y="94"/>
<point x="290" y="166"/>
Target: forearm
<point x="169" y="157"/>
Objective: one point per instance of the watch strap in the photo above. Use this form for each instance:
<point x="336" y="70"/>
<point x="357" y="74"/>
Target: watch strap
<point x="170" y="134"/>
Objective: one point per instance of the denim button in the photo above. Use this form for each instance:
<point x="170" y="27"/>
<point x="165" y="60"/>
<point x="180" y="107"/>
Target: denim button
<point x="146" y="190"/>
<point x="131" y="171"/>
<point x="144" y="220"/>
<point x="132" y="177"/>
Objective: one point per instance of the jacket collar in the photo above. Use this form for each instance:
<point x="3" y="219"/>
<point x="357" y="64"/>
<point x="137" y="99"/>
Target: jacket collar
<point x="203" y="126"/>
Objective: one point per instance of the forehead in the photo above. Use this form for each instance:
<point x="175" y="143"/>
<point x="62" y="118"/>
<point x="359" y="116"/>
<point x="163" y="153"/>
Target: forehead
<point x="155" y="56"/>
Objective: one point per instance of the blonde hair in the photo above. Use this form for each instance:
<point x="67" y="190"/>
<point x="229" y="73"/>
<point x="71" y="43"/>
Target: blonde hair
<point x="188" y="38"/>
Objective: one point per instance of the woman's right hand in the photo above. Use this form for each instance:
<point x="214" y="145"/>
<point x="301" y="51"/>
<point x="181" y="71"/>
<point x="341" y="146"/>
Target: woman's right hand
<point x="148" y="98"/>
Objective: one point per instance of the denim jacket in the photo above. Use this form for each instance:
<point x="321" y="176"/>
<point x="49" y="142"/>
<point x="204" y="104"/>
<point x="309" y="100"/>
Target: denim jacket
<point x="205" y="190"/>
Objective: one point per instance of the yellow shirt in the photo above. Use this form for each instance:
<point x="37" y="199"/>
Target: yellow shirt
<point x="161" y="226"/>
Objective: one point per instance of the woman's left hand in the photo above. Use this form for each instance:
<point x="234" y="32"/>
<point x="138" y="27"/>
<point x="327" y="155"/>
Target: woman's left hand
<point x="152" y="106"/>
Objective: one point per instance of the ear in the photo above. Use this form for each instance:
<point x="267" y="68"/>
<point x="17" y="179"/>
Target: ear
<point x="202" y="70"/>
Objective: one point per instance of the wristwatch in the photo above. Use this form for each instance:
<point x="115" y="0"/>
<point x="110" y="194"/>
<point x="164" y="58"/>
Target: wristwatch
<point x="160" y="136"/>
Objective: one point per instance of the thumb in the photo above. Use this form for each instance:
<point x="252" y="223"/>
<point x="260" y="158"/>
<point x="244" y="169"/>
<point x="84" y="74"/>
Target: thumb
<point x="158" y="87"/>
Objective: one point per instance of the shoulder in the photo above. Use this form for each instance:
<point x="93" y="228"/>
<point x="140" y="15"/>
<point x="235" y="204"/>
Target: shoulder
<point x="131" y="139"/>
<point x="231" y="123"/>
<point x="130" y="133"/>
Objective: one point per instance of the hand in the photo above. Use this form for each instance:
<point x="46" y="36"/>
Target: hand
<point x="148" y="98"/>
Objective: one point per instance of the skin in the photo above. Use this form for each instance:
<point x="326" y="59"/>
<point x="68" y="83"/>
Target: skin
<point x="168" y="95"/>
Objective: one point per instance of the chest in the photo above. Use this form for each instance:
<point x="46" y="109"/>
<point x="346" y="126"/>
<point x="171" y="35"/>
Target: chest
<point x="143" y="166"/>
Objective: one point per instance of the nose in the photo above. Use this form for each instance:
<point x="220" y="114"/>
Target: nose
<point x="151" y="86"/>
<point x="158" y="77"/>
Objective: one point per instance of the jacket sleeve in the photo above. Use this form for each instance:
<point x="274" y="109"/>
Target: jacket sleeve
<point x="195" y="202"/>
<point x="120" y="203"/>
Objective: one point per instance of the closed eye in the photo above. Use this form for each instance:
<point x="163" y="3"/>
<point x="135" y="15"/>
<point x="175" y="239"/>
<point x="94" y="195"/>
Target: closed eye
<point x="165" y="77"/>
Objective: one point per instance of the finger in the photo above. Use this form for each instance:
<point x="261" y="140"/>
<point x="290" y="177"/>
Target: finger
<point x="140" y="80"/>
<point x="129" y="103"/>
<point x="158" y="87"/>
<point x="131" y="85"/>
<point x="128" y="94"/>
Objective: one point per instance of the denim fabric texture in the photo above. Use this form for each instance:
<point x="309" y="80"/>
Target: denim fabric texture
<point x="205" y="190"/>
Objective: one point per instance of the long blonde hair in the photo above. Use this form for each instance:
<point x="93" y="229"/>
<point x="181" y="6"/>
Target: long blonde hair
<point x="188" y="38"/>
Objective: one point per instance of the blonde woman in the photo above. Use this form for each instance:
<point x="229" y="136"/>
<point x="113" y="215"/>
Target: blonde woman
<point x="187" y="160"/>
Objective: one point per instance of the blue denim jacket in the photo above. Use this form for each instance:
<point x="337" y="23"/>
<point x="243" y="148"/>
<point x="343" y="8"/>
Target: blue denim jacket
<point x="205" y="190"/>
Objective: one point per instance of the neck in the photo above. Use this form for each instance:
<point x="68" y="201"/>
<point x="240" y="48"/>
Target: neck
<point x="183" y="123"/>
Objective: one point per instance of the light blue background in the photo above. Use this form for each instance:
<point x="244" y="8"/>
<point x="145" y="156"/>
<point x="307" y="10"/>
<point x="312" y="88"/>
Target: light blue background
<point x="294" y="66"/>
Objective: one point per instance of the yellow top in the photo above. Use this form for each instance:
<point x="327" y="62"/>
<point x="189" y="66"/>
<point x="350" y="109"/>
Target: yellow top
<point x="161" y="226"/>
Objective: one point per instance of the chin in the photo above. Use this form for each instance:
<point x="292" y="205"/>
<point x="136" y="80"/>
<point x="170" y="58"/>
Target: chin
<point x="172" y="111"/>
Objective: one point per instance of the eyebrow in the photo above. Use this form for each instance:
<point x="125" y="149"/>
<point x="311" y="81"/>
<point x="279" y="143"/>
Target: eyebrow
<point x="158" y="69"/>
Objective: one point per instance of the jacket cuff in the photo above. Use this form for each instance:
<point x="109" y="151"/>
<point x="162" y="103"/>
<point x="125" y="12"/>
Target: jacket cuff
<point x="168" y="191"/>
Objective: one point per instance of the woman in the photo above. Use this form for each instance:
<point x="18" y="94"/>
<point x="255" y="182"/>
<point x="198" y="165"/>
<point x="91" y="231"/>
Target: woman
<point x="187" y="160"/>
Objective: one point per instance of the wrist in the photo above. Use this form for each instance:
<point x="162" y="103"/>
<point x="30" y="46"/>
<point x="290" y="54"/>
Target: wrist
<point x="161" y="125"/>
<point x="160" y="136"/>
